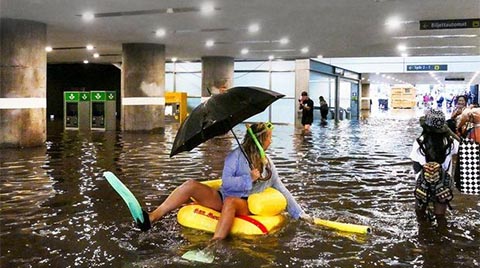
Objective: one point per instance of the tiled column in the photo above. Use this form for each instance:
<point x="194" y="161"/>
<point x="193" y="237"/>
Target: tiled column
<point x="217" y="75"/>
<point x="143" y="87"/>
<point x="23" y="67"/>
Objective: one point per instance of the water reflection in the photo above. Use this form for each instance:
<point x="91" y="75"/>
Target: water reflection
<point x="58" y="211"/>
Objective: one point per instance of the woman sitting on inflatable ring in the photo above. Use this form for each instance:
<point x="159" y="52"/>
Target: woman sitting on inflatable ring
<point x="239" y="180"/>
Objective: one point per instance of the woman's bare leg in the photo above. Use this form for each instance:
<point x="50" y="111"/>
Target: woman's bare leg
<point x="232" y="206"/>
<point x="202" y="194"/>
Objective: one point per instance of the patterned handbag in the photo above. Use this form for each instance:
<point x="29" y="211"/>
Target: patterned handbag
<point x="469" y="160"/>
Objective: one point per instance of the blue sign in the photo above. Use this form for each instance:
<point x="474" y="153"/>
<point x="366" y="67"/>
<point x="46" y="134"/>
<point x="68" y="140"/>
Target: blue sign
<point x="432" y="67"/>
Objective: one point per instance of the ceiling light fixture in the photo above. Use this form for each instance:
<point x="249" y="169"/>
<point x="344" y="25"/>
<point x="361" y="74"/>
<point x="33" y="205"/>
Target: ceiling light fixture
<point x="89" y="47"/>
<point x="209" y="43"/>
<point x="402" y="47"/>
<point x="160" y="32"/>
<point x="304" y="50"/>
<point x="169" y="10"/>
<point x="207" y="9"/>
<point x="174" y="59"/>
<point x="404" y="55"/>
<point x="88" y="16"/>
<point x="85" y="61"/>
<point x="244" y="51"/>
<point x="48" y="49"/>
<point x="284" y="41"/>
<point x="271" y="57"/>
<point x="253" y="28"/>
<point x="319" y="56"/>
<point x="393" y="23"/>
<point x="96" y="55"/>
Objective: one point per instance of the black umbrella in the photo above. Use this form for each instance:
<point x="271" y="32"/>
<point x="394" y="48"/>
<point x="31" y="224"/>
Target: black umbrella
<point x="220" y="114"/>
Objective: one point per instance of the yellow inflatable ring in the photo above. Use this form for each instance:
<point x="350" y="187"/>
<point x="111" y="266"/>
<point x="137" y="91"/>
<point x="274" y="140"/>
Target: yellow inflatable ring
<point x="267" y="206"/>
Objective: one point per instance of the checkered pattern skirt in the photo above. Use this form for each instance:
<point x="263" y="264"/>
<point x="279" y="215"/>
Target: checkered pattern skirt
<point x="469" y="158"/>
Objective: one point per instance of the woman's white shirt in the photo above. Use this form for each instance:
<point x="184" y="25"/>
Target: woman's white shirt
<point x="417" y="156"/>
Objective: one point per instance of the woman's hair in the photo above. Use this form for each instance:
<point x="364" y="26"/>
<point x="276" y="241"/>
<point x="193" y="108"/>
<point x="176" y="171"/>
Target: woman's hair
<point x="435" y="146"/>
<point x="251" y="148"/>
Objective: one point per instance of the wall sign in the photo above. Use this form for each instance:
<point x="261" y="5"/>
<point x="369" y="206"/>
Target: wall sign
<point x="431" y="67"/>
<point x="449" y="24"/>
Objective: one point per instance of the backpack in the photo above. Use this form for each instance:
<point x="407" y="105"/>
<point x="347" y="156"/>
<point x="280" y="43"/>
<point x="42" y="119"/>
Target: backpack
<point x="433" y="184"/>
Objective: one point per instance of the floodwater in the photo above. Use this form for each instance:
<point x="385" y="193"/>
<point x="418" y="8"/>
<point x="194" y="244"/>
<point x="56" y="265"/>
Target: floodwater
<point x="58" y="211"/>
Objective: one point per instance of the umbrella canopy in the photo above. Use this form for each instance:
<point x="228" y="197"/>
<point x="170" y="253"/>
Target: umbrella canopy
<point x="220" y="114"/>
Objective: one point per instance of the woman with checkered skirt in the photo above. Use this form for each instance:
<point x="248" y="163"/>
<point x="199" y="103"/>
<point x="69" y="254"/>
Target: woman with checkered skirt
<point x="432" y="154"/>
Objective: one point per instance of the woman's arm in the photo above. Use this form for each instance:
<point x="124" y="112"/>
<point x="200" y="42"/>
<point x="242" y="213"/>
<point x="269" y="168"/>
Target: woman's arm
<point x="293" y="207"/>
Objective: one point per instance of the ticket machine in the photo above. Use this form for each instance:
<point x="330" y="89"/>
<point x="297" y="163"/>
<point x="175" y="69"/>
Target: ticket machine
<point x="103" y="108"/>
<point x="76" y="110"/>
<point x="176" y="105"/>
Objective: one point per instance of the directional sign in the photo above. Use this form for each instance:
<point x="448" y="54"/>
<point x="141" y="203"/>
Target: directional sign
<point x="431" y="67"/>
<point x="111" y="95"/>
<point x="449" y="24"/>
<point x="84" y="96"/>
<point x="98" y="96"/>
<point x="71" y="96"/>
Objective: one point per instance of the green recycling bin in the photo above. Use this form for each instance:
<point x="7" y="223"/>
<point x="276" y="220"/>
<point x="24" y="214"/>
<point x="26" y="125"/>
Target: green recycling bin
<point x="103" y="108"/>
<point x="76" y="110"/>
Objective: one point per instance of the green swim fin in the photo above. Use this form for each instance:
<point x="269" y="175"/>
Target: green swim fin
<point x="128" y="197"/>
<point x="199" y="256"/>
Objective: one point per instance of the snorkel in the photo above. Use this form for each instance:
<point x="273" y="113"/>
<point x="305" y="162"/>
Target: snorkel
<point x="268" y="126"/>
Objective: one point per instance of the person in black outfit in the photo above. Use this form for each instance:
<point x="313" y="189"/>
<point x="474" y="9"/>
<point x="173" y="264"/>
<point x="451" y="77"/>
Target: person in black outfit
<point x="323" y="110"/>
<point x="306" y="105"/>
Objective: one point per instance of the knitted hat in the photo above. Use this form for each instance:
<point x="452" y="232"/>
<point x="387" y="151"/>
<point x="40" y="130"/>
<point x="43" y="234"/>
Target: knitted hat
<point x="434" y="121"/>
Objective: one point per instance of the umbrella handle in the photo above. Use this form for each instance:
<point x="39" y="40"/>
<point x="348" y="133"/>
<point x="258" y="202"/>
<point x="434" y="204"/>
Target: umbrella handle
<point x="243" y="151"/>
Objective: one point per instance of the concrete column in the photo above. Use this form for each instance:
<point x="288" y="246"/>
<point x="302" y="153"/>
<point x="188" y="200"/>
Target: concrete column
<point x="143" y="87"/>
<point x="23" y="83"/>
<point x="217" y="74"/>
<point x="365" y="99"/>
<point x="302" y="83"/>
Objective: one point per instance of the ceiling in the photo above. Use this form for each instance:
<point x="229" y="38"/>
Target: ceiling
<point x="334" y="28"/>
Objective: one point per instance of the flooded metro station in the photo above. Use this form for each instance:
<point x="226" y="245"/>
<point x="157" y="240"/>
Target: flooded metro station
<point x="339" y="130"/>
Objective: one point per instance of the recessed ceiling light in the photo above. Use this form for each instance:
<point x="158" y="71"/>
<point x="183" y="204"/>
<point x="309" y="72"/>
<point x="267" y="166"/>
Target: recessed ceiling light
<point x="304" y="50"/>
<point x="244" y="51"/>
<point x="89" y="47"/>
<point x="319" y="56"/>
<point x="96" y="55"/>
<point x="85" y="61"/>
<point x="209" y="43"/>
<point x="48" y="48"/>
<point x="174" y="59"/>
<point x="284" y="41"/>
<point x="160" y="32"/>
<point x="88" y="16"/>
<point x="271" y="57"/>
<point x="402" y="47"/>
<point x="253" y="28"/>
<point x="207" y="9"/>
<point x="393" y="22"/>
